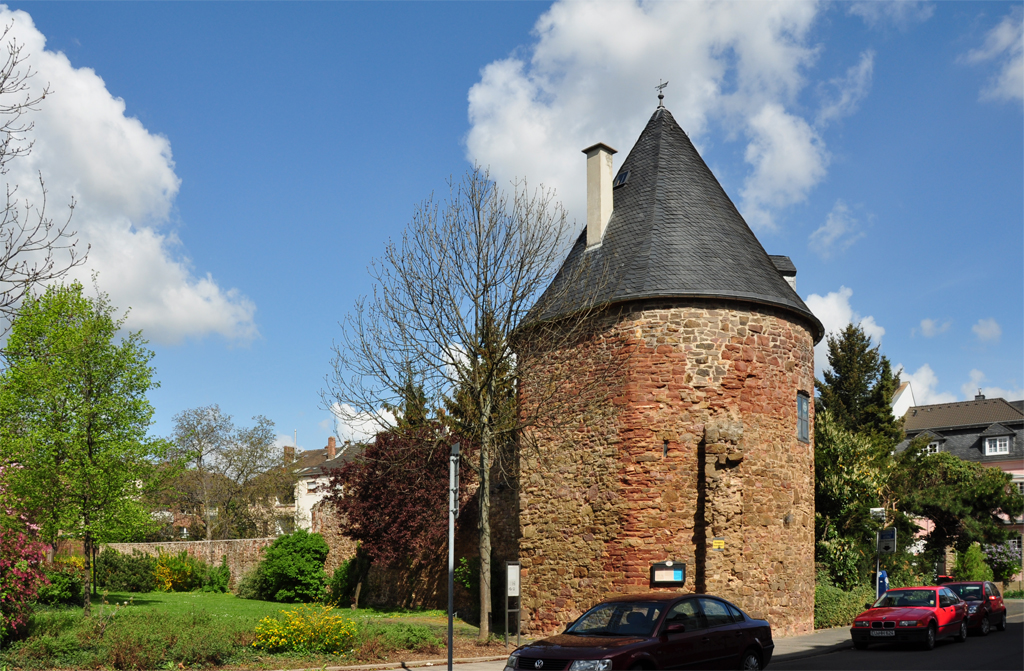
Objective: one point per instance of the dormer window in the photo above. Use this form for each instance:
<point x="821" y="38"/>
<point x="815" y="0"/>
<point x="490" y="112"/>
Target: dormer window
<point x="932" y="448"/>
<point x="997" y="445"/>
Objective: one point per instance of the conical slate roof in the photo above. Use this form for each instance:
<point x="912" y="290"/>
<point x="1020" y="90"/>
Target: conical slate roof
<point x="673" y="232"/>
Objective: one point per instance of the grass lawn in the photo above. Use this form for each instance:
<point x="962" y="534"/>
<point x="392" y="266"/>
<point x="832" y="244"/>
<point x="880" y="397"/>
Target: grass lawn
<point x="197" y="630"/>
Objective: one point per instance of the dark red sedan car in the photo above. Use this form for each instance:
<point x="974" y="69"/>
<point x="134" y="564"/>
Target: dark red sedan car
<point x="914" y="615"/>
<point x="653" y="631"/>
<point x="985" y="607"/>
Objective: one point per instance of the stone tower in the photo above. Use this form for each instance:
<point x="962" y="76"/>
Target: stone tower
<point x="709" y="437"/>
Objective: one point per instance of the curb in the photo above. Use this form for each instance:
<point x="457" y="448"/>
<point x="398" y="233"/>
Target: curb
<point x="811" y="652"/>
<point x="402" y="665"/>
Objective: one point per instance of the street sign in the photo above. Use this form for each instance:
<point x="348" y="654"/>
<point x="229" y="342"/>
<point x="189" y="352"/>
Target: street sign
<point x="887" y="541"/>
<point x="512" y="578"/>
<point x="718" y="544"/>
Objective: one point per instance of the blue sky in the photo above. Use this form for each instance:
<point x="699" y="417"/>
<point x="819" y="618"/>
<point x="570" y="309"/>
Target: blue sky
<point x="237" y="165"/>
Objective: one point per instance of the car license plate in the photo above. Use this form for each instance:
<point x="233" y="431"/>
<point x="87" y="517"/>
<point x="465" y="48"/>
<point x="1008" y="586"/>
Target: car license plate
<point x="883" y="632"/>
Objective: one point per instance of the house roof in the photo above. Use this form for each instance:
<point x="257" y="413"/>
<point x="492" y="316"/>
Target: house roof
<point x="997" y="429"/>
<point x="317" y="468"/>
<point x="673" y="233"/>
<point x="981" y="412"/>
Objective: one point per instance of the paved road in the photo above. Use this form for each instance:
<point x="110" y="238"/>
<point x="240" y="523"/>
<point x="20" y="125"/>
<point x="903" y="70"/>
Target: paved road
<point x="998" y="650"/>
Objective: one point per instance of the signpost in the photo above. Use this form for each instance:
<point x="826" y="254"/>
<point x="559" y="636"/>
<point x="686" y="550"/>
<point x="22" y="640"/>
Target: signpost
<point x="885" y="543"/>
<point x="512" y="592"/>
<point x="453" y="514"/>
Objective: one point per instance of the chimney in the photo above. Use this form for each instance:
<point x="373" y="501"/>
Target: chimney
<point x="289" y="454"/>
<point x="331" y="448"/>
<point x="979" y="396"/>
<point x="599" y="191"/>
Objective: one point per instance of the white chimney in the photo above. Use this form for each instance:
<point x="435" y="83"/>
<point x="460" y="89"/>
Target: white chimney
<point x="599" y="191"/>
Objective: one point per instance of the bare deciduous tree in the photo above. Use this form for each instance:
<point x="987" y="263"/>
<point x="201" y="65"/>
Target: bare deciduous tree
<point x="34" y="249"/>
<point x="447" y="302"/>
<point x="234" y="474"/>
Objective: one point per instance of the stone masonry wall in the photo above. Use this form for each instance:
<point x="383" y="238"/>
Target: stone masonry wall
<point x="703" y="445"/>
<point x="243" y="554"/>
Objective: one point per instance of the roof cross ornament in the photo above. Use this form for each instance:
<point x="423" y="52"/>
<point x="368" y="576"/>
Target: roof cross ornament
<point x="661" y="94"/>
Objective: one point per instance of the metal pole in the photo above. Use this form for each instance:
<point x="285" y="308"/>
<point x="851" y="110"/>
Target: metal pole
<point x="453" y="512"/>
<point x="877" y="556"/>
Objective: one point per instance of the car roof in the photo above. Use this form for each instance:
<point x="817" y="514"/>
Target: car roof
<point x="648" y="596"/>
<point x="965" y="582"/>
<point x="898" y="589"/>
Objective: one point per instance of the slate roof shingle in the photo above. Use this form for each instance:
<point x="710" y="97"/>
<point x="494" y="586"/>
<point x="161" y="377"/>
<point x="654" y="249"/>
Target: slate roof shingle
<point x="673" y="233"/>
<point x="981" y="412"/>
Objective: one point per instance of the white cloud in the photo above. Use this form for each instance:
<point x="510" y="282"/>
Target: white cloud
<point x="837" y="233"/>
<point x="1004" y="44"/>
<point x="122" y="177"/>
<point x="835" y="313"/>
<point x="850" y="90"/>
<point x="900" y="13"/>
<point x="931" y="327"/>
<point x="924" y="383"/>
<point x="974" y="384"/>
<point x="357" y="426"/>
<point x="987" y="330"/>
<point x="590" y="75"/>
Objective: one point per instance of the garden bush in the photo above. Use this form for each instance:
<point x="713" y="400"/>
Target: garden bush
<point x="217" y="578"/>
<point x="310" y="628"/>
<point x="342" y="585"/>
<point x="834" y="607"/>
<point x="21" y="573"/>
<point x="64" y="576"/>
<point x="179" y="572"/>
<point x="970" y="565"/>
<point x="125" y="573"/>
<point x="1004" y="560"/>
<point x="292" y="570"/>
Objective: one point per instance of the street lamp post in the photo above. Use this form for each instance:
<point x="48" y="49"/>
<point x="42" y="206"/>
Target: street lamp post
<point x="453" y="514"/>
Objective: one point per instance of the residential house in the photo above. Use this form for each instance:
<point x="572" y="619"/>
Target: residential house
<point x="986" y="430"/>
<point x="313" y="469"/>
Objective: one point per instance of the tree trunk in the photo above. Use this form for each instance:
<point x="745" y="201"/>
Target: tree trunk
<point x="87" y="580"/>
<point x="484" y="495"/>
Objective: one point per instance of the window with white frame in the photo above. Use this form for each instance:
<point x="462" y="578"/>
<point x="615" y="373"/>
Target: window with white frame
<point x="933" y="447"/>
<point x="997" y="445"/>
<point x="1015" y="543"/>
<point x="1020" y="486"/>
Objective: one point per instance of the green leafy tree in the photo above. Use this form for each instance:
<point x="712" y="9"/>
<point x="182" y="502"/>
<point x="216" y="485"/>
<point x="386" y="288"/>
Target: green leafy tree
<point x="858" y="386"/>
<point x="971" y="565"/>
<point x="966" y="502"/>
<point x="74" y="414"/>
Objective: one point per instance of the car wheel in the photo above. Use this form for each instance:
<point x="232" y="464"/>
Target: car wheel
<point x="961" y="636"/>
<point x="1002" y="622"/>
<point x="751" y="661"/>
<point x="860" y="645"/>
<point x="929" y="638"/>
<point x="985" y="626"/>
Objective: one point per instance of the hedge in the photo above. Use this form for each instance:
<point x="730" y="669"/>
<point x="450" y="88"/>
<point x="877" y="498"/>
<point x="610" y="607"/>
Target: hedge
<point x="834" y="607"/>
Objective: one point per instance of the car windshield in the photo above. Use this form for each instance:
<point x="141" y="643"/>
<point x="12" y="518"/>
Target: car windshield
<point x="619" y="618"/>
<point x="968" y="592"/>
<point x="922" y="598"/>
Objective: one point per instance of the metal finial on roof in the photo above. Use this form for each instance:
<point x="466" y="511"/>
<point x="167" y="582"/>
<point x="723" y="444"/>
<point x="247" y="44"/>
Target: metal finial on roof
<point x="661" y="94"/>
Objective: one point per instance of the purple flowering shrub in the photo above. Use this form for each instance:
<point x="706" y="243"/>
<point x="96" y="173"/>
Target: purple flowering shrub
<point x="1004" y="560"/>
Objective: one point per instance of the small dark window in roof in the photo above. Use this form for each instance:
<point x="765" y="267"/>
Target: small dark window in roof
<point x="620" y="179"/>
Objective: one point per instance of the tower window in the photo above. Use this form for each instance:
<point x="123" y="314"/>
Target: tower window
<point x="803" y="417"/>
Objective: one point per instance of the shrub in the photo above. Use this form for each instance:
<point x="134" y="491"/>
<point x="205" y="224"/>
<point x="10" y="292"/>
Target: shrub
<point x="970" y="565"/>
<point x="292" y="569"/>
<point x="1004" y="560"/>
<point x="65" y="582"/>
<point x="248" y="586"/>
<point x="179" y="572"/>
<point x="125" y="573"/>
<point x="834" y="607"/>
<point x="310" y="628"/>
<point x="1014" y="594"/>
<point x="342" y="585"/>
<point x="21" y="573"/>
<point x="217" y="578"/>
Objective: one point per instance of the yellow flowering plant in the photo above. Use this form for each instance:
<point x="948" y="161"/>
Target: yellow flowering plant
<point x="309" y="628"/>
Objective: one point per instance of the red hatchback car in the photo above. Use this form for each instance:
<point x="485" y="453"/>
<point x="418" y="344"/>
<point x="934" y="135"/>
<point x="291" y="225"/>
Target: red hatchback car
<point x="653" y="631"/>
<point x="985" y="607"/>
<point x="913" y="615"/>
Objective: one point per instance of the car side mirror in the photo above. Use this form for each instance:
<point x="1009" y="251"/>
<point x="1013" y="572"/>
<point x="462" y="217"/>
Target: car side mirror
<point x="868" y="606"/>
<point x="675" y="628"/>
